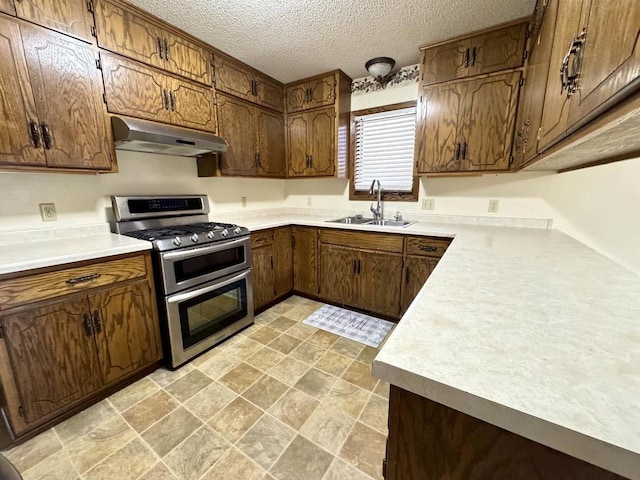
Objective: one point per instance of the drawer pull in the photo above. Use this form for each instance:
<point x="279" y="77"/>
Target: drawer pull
<point x="85" y="278"/>
<point x="97" y="324"/>
<point x="428" y="248"/>
<point x="86" y="323"/>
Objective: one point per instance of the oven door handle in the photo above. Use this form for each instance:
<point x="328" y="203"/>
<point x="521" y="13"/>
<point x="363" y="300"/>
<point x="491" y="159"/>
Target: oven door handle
<point x="210" y="288"/>
<point x="199" y="251"/>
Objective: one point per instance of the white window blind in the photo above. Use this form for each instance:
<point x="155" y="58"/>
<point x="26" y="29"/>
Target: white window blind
<point x="384" y="150"/>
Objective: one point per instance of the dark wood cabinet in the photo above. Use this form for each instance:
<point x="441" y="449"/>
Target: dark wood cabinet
<point x="243" y="82"/>
<point x="415" y="272"/>
<point x="125" y="30"/>
<point x="475" y="54"/>
<point x="272" y="270"/>
<point x="380" y="282"/>
<point x="7" y="6"/>
<point x="467" y="126"/>
<point x="315" y="93"/>
<point x="72" y="17"/>
<point x="311" y="140"/>
<point x="305" y="260"/>
<point x="53" y="96"/>
<point x="262" y="274"/>
<point x="72" y="334"/>
<point x="139" y="91"/>
<point x="283" y="260"/>
<point x="255" y="136"/>
<point x="338" y="274"/>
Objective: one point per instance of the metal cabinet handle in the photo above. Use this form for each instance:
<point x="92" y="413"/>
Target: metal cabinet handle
<point x="427" y="248"/>
<point x="310" y="161"/>
<point x="35" y="134"/>
<point x="255" y="160"/>
<point x="464" y="151"/>
<point x="86" y="323"/>
<point x="172" y="100"/>
<point x="167" y="49"/>
<point x="457" y="154"/>
<point x="473" y="56"/>
<point x="355" y="266"/>
<point x="259" y="161"/>
<point x="97" y="324"/>
<point x="46" y="135"/>
<point x="160" y="51"/>
<point x="83" y="279"/>
<point x="466" y="58"/>
<point x="359" y="266"/>
<point x="569" y="80"/>
<point x="165" y="99"/>
<point x="406" y="275"/>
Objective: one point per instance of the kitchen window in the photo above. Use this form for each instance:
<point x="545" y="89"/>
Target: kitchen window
<point x="382" y="144"/>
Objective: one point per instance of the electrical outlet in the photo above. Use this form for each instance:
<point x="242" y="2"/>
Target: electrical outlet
<point x="48" y="212"/>
<point x="494" y="205"/>
<point x="308" y="201"/>
<point x="243" y="202"/>
<point x="428" y="203"/>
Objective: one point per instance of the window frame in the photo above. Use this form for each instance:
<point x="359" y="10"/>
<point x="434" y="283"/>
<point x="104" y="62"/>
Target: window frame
<point x="354" y="194"/>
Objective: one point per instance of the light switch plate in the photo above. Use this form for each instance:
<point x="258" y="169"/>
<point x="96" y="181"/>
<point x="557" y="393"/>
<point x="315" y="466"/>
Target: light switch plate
<point x="48" y="212"/>
<point x="428" y="203"/>
<point x="494" y="205"/>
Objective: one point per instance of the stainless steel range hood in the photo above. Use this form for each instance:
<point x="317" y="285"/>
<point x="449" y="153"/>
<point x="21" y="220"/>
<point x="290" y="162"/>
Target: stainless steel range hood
<point x="143" y="136"/>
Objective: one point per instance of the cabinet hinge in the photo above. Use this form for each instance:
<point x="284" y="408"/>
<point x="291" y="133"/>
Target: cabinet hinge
<point x="215" y="100"/>
<point x="525" y="55"/>
<point x="539" y="131"/>
<point x="104" y="98"/>
<point x="522" y="81"/>
<point x="384" y="468"/>
<point x="510" y="159"/>
<point x="21" y="411"/>
<point x="293" y="244"/>
<point x="94" y="32"/>
<point x="271" y="263"/>
<point x="90" y="5"/>
<point x="1" y="332"/>
<point x="98" y="64"/>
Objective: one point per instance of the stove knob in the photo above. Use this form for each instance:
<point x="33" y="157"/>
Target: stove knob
<point x="237" y="231"/>
<point x="210" y="234"/>
<point x="177" y="242"/>
<point x="194" y="237"/>
<point x="224" y="232"/>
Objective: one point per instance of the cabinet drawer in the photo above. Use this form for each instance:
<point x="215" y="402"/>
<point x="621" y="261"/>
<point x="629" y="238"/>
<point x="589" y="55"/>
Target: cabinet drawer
<point x="262" y="238"/>
<point x="369" y="241"/>
<point x="427" y="246"/>
<point x="43" y="286"/>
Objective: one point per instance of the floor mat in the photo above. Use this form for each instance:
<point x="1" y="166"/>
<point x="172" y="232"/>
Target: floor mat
<point x="353" y="325"/>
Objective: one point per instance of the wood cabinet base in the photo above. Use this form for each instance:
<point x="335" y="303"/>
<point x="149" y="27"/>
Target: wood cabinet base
<point x="432" y="442"/>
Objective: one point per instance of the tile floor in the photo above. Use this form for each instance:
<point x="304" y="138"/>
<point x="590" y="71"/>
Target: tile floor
<point x="281" y="400"/>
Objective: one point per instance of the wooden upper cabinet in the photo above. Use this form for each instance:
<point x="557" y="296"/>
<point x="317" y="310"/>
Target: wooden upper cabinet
<point x="53" y="356"/>
<point x="123" y="30"/>
<point x="21" y="140"/>
<point x="305" y="260"/>
<point x="135" y="90"/>
<point x="318" y="92"/>
<point x="535" y="81"/>
<point x="608" y="63"/>
<point x="68" y="94"/>
<point x="236" y="124"/>
<point x="192" y="105"/>
<point x="321" y="141"/>
<point x="235" y="79"/>
<point x="270" y="142"/>
<point x="125" y="346"/>
<point x="71" y="17"/>
<point x="476" y="54"/>
<point x="7" y="6"/>
<point x="297" y="153"/>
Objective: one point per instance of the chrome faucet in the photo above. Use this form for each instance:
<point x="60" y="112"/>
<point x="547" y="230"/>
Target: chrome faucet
<point x="378" y="210"/>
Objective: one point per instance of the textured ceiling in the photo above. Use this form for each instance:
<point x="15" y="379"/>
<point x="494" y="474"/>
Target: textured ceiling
<point x="293" y="39"/>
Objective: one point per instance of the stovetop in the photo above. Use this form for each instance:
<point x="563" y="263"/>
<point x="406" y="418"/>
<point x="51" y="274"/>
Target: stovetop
<point x="182" y="236"/>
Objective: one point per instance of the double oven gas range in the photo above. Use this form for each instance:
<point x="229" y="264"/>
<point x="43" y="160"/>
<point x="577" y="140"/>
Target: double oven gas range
<point x="202" y="270"/>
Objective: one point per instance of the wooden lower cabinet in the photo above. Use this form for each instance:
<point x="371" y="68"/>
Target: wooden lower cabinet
<point x="305" y="260"/>
<point x="415" y="272"/>
<point x="262" y="274"/>
<point x="283" y="260"/>
<point x="58" y="352"/>
<point x="338" y="274"/>
<point x="271" y="264"/>
<point x="428" y="440"/>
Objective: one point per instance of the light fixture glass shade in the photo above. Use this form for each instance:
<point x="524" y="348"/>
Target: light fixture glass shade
<point x="380" y="67"/>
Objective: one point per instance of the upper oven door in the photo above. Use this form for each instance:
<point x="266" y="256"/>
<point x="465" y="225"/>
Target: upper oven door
<point x="182" y="269"/>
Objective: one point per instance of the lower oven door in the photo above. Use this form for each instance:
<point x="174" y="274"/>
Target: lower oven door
<point x="203" y="316"/>
<point x="186" y="268"/>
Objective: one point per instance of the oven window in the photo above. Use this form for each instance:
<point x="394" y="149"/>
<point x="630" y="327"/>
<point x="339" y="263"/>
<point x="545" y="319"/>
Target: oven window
<point x="212" y="312"/>
<point x="212" y="262"/>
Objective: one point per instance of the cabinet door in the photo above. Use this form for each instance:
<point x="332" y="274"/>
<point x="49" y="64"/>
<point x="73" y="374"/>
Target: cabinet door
<point x="439" y="109"/>
<point x="270" y="143"/>
<point x="68" y="93"/>
<point x="610" y="58"/>
<point x="135" y="90"/>
<point x="122" y="31"/>
<point x="297" y="153"/>
<point x="445" y="62"/>
<point x="126" y="330"/>
<point x="283" y="260"/>
<point x="236" y="126"/>
<point x="187" y="59"/>
<point x="269" y="94"/>
<point x="53" y="356"/>
<point x="192" y="105"/>
<point x="67" y="16"/>
<point x="415" y="272"/>
<point x="322" y="92"/>
<point x="338" y="275"/>
<point x="7" y="6"/>
<point x="486" y="127"/>
<point x="232" y="78"/>
<point x="498" y="50"/>
<point x="321" y="141"/>
<point x="380" y="277"/>
<point x="555" y="116"/>
<point x="20" y="142"/>
<point x="305" y="260"/>
<point x="535" y="82"/>
<point x="297" y="96"/>
<point x="262" y="275"/>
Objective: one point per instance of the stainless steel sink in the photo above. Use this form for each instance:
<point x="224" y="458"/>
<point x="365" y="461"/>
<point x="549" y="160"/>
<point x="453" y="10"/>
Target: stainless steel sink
<point x="360" y="220"/>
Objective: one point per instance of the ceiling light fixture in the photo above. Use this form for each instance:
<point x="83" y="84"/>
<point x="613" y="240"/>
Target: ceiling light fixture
<point x="380" y="68"/>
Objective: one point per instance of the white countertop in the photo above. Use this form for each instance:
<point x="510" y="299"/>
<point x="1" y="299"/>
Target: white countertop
<point x="61" y="246"/>
<point x="526" y="329"/>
